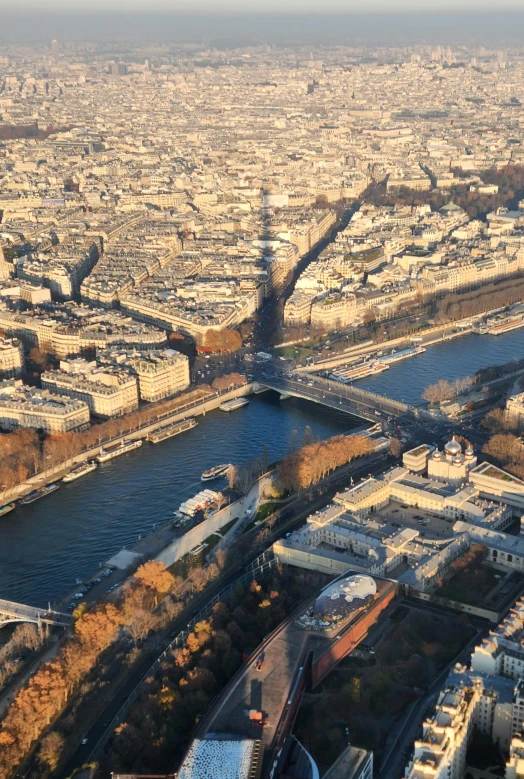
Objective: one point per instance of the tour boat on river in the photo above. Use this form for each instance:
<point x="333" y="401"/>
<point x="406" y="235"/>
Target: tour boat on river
<point x="82" y="470"/>
<point x="214" y="473"/>
<point x="116" y="451"/>
<point x="37" y="494"/>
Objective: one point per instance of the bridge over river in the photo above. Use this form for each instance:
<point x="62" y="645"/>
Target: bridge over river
<point x="19" y="612"/>
<point x="334" y="394"/>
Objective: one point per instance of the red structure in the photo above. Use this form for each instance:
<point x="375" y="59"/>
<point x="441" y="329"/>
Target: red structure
<point x="351" y="636"/>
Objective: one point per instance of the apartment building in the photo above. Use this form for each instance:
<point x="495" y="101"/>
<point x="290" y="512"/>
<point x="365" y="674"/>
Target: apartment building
<point x="502" y="653"/>
<point x="515" y="761"/>
<point x="297" y="310"/>
<point x="334" y="311"/>
<point x="515" y="407"/>
<point x="441" y="752"/>
<point x="159" y="374"/>
<point x="489" y="695"/>
<point x="22" y="406"/>
<point x="108" y="391"/>
<point x="11" y="358"/>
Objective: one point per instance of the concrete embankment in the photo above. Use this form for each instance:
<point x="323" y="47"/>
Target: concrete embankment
<point x="237" y="510"/>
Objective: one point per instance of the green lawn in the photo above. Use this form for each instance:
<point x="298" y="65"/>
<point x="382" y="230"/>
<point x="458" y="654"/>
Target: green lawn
<point x="225" y="528"/>
<point x="265" y="510"/>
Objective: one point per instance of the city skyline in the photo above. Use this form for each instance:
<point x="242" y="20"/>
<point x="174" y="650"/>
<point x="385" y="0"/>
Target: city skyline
<point x="261" y="328"/>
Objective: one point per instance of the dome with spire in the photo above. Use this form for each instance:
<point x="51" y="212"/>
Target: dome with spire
<point x="453" y="448"/>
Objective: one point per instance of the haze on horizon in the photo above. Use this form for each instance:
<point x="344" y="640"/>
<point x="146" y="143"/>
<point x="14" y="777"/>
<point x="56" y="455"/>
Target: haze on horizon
<point x="262" y="6"/>
<point x="227" y="24"/>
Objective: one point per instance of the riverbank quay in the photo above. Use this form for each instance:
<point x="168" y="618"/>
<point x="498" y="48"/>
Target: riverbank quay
<point x="196" y="408"/>
<point x="356" y="353"/>
<point x="426" y="336"/>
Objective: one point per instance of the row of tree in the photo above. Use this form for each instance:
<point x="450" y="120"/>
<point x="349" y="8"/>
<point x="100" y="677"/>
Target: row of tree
<point x="299" y="470"/>
<point x="452" y="308"/>
<point x="447" y="390"/>
<point x="38" y="704"/>
<point x="23" y="453"/>
<point x="159" y="725"/>
<point x="507" y="450"/>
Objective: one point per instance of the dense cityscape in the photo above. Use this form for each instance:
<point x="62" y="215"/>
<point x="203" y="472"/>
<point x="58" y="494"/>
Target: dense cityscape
<point x="261" y="410"/>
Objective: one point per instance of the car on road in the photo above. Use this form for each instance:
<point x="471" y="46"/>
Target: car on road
<point x="84" y="741"/>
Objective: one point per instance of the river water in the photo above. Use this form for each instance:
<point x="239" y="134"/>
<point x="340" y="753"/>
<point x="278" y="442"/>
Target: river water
<point x="45" y="546"/>
<point x="407" y="379"/>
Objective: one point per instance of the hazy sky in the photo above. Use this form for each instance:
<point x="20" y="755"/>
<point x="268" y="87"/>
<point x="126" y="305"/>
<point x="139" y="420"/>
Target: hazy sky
<point x="267" y="6"/>
<point x="226" y="24"/>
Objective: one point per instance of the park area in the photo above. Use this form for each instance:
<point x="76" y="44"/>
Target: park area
<point x="471" y="579"/>
<point x="293" y="352"/>
<point x="361" y="701"/>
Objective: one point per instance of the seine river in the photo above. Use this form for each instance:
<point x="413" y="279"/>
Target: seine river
<point x="44" y="547"/>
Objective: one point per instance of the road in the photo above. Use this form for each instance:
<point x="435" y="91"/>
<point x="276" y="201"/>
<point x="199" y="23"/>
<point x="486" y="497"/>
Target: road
<point x="333" y="394"/>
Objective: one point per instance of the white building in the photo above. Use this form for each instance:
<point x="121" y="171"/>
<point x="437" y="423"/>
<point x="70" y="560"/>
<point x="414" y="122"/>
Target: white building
<point x="515" y="407"/>
<point x="108" y="391"/>
<point x="334" y="311"/>
<point x="515" y="762"/>
<point x="441" y="752"/>
<point x="502" y="653"/>
<point x="160" y="374"/>
<point x="22" y="406"/>
<point x="11" y="357"/>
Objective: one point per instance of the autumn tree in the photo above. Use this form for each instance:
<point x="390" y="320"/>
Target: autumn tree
<point x="499" y="421"/>
<point x="308" y="465"/>
<point x="51" y="748"/>
<point x="395" y="447"/>
<point x="222" y="340"/>
<point x="141" y="623"/>
<point x="155" y="577"/>
<point x="229" y="381"/>
<point x="439" y="392"/>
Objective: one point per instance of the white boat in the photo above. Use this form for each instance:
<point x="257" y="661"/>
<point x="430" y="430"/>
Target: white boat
<point x="403" y="354"/>
<point x="162" y="433"/>
<point x="116" y="451"/>
<point x="214" y="473"/>
<point x="505" y="327"/>
<point x="232" y="405"/>
<point x="200" y="502"/>
<point x="82" y="470"/>
<point x="6" y="509"/>
<point x="359" y="372"/>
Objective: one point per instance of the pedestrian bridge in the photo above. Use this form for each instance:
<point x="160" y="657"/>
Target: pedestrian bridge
<point x="19" y="612"/>
<point x="334" y="394"/>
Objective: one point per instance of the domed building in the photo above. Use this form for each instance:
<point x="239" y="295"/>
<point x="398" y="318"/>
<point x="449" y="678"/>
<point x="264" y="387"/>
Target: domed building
<point x="452" y="465"/>
<point x="344" y="596"/>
